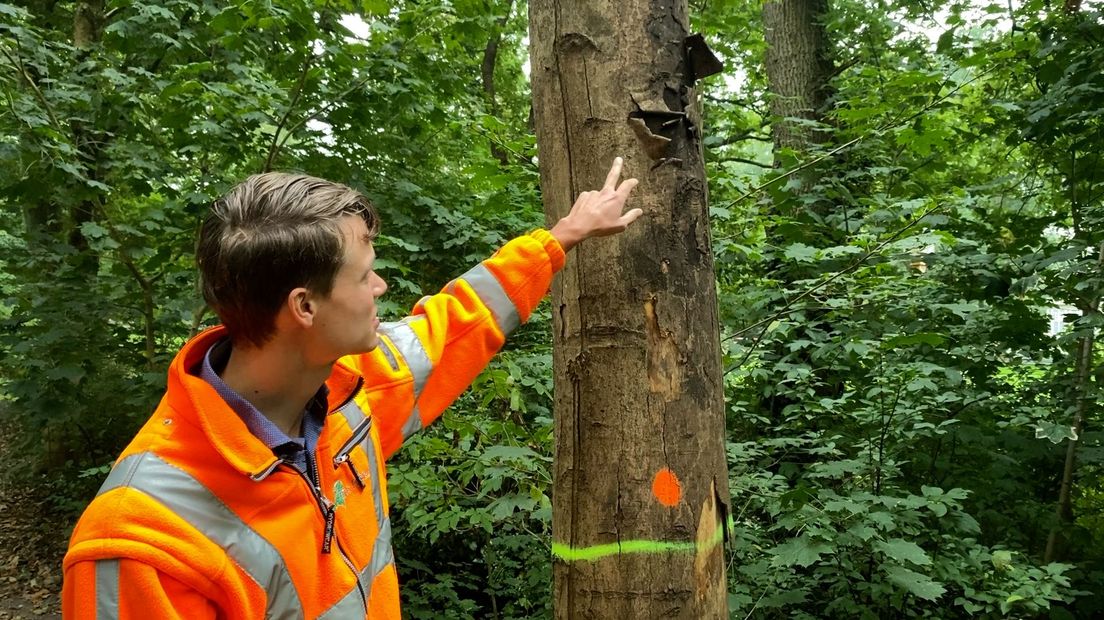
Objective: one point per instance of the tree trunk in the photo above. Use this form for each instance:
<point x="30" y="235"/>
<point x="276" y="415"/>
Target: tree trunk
<point x="490" y="59"/>
<point x="798" y="69"/>
<point x="1082" y="396"/>
<point x="88" y="16"/>
<point x="641" y="487"/>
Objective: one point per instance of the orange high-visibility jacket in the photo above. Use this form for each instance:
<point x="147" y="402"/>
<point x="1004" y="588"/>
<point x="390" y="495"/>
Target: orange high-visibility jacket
<point x="199" y="519"/>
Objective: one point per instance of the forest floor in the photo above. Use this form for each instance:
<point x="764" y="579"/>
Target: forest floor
<point x="32" y="543"/>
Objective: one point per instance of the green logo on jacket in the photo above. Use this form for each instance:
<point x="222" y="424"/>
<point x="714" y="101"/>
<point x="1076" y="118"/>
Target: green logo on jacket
<point x="339" y="493"/>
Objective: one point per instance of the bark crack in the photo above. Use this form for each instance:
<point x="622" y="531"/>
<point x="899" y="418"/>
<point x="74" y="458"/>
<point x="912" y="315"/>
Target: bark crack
<point x="586" y="83"/>
<point x="563" y="106"/>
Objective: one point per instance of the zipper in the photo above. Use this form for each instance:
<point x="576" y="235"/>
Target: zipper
<point x="264" y="473"/>
<point x="360" y="433"/>
<point x="352" y="394"/>
<point x="328" y="514"/>
<point x="358" y="436"/>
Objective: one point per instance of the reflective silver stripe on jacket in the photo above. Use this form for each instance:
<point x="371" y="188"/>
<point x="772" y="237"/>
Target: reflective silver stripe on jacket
<point x="354" y="416"/>
<point x="490" y="291"/>
<point x="178" y="491"/>
<point x="107" y="589"/>
<point x="350" y="605"/>
<point x="408" y="345"/>
<point x="386" y="348"/>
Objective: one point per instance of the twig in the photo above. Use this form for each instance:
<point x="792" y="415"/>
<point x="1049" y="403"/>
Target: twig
<point x="275" y="147"/>
<point x="18" y="63"/>
<point x="889" y="125"/>
<point x="743" y="160"/>
<point x="848" y="269"/>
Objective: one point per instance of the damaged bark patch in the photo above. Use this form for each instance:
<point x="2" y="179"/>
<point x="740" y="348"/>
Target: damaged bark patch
<point x="652" y="118"/>
<point x="655" y="146"/>
<point x="663" y="367"/>
<point x="707" y="539"/>
<point x="701" y="62"/>
<point x="575" y="42"/>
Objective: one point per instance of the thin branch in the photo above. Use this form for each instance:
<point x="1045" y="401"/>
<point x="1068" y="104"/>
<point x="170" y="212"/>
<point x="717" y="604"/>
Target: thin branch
<point x="889" y="125"/>
<point x="275" y="147"/>
<point x="18" y="63"/>
<point x="744" y="160"/>
<point x="740" y="137"/>
<point x="835" y="276"/>
<point x="777" y="315"/>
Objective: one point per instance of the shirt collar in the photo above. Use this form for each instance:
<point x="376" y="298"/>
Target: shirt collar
<point x="257" y="423"/>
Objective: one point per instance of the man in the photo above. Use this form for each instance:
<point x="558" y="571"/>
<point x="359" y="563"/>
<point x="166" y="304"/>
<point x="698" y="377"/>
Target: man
<point x="258" y="488"/>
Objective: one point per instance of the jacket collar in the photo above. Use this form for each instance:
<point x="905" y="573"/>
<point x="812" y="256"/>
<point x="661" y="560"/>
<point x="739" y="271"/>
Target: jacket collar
<point x="193" y="397"/>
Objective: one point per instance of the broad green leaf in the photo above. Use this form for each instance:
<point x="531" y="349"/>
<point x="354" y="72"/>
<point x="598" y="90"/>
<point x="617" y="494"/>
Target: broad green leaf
<point x="917" y="584"/>
<point x="904" y="550"/>
<point x="801" y="551"/>
<point x="801" y="253"/>
<point x="1002" y="560"/>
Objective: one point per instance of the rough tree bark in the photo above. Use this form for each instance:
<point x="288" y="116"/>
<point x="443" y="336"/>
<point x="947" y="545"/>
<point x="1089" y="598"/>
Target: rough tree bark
<point x="637" y="356"/>
<point x="798" y="69"/>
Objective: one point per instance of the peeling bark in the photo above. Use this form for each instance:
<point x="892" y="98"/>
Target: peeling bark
<point x="637" y="356"/>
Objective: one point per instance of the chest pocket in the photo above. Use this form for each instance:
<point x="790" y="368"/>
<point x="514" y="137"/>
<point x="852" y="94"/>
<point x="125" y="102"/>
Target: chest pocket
<point x="347" y="456"/>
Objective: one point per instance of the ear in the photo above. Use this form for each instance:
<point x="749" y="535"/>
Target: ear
<point x="300" y="306"/>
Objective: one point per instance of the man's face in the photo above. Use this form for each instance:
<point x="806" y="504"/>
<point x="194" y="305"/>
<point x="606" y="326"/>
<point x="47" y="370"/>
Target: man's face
<point x="346" y="320"/>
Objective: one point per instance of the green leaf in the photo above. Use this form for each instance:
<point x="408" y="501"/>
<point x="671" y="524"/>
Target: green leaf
<point x="509" y="452"/>
<point x="1002" y="560"/>
<point x="1055" y="433"/>
<point x="901" y="549"/>
<point x="375" y="7"/>
<point x="801" y="253"/>
<point x="917" y="584"/>
<point x="93" y="230"/>
<point x="801" y="551"/>
<point x="946" y="42"/>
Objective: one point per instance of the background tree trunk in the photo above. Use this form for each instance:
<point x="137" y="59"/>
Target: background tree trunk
<point x="88" y="17"/>
<point x="637" y="358"/>
<point x="486" y="71"/>
<point x="799" y="66"/>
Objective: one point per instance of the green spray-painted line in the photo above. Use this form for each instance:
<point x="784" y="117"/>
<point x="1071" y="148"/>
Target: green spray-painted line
<point x="568" y="553"/>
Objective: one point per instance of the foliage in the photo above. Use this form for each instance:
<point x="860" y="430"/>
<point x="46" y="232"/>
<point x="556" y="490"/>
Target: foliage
<point x="901" y="372"/>
<point x="900" y="427"/>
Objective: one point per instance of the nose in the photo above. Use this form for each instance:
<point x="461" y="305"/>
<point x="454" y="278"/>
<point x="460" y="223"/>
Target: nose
<point x="380" y="285"/>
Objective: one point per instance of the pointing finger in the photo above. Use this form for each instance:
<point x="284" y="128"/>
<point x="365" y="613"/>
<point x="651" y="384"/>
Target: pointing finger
<point x="627" y="187"/>
<point x="614" y="174"/>
<point x="630" y="217"/>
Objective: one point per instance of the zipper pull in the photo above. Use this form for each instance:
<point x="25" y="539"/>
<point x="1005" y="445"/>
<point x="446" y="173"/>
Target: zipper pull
<point x="328" y="532"/>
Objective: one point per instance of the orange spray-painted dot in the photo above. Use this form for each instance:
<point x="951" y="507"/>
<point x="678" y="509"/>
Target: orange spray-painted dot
<point x="666" y="487"/>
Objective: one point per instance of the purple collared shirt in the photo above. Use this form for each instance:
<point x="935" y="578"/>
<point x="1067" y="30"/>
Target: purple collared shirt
<point x="294" y="450"/>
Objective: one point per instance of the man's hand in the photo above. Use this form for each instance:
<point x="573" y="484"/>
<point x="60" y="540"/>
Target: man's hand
<point x="597" y="214"/>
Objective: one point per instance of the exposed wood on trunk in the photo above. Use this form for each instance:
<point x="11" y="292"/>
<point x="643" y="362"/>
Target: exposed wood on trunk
<point x="637" y="359"/>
